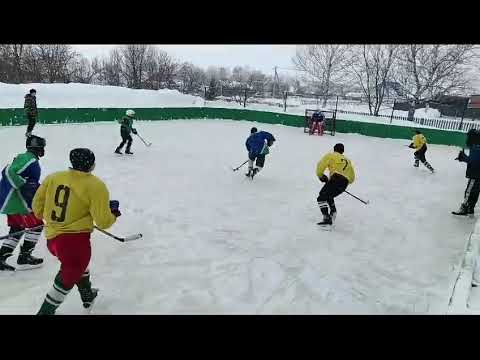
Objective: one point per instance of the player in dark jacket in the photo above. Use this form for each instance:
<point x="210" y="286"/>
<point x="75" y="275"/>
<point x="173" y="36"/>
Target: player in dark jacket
<point x="125" y="130"/>
<point x="31" y="112"/>
<point x="257" y="144"/>
<point x="472" y="174"/>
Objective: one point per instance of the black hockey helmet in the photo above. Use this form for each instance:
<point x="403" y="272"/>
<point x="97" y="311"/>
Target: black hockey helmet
<point x="36" y="145"/>
<point x="473" y="137"/>
<point x="339" y="148"/>
<point x="82" y="159"/>
<point x="253" y="130"/>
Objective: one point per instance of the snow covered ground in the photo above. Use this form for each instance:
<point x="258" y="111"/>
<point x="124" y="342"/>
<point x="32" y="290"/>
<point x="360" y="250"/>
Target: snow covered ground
<point x="217" y="243"/>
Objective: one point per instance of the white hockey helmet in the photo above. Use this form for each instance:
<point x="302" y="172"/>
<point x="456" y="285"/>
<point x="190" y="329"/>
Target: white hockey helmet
<point x="130" y="113"/>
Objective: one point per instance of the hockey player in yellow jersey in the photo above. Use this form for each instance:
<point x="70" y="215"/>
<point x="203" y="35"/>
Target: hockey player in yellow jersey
<point x="341" y="174"/>
<point x="419" y="143"/>
<point x="70" y="203"/>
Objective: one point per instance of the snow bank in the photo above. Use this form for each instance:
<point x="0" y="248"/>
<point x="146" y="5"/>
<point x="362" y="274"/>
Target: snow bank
<point x="427" y="113"/>
<point x="75" y="95"/>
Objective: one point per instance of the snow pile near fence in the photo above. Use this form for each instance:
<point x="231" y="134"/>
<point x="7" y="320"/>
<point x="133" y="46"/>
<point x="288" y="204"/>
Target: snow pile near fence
<point x="75" y="95"/>
<point x="427" y="113"/>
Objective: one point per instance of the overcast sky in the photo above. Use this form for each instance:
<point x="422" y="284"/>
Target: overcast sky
<point x="260" y="57"/>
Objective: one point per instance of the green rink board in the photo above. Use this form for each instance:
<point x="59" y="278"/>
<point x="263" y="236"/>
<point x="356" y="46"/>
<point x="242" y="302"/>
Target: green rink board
<point x="11" y="117"/>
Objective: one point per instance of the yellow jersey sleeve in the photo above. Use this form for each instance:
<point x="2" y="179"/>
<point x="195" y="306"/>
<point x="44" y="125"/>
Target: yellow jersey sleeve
<point x="100" y="205"/>
<point x="38" y="203"/>
<point x="351" y="177"/>
<point x="322" y="164"/>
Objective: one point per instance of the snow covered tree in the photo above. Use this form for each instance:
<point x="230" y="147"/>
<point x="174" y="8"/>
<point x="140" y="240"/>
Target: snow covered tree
<point x="191" y="77"/>
<point x="212" y="91"/>
<point x="425" y="72"/>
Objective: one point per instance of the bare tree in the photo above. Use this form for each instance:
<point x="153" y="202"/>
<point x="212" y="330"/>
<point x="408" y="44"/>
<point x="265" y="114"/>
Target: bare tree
<point x="167" y="68"/>
<point x="371" y="67"/>
<point x="191" y="77"/>
<point x="223" y="74"/>
<point x="240" y="74"/>
<point x="297" y="86"/>
<point x="82" y="70"/>
<point x="160" y="69"/>
<point x="212" y="72"/>
<point x="32" y="66"/>
<point x="134" y="59"/>
<point x="257" y="81"/>
<point x="54" y="60"/>
<point x="13" y="57"/>
<point x="6" y="68"/>
<point x="151" y="70"/>
<point x="425" y="72"/>
<point x="111" y="69"/>
<point x="325" y="64"/>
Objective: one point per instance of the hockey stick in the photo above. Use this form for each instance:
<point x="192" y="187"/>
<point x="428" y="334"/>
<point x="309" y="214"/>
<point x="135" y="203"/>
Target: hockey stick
<point x="147" y="144"/>
<point x="121" y="239"/>
<point x="240" y="166"/>
<point x="20" y="232"/>
<point x="363" y="201"/>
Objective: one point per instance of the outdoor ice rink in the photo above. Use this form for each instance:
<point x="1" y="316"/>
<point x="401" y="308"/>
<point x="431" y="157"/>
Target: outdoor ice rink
<point x="217" y="243"/>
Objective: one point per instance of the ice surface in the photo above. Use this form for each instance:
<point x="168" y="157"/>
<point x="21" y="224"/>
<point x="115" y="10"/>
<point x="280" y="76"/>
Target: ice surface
<point x="217" y="243"/>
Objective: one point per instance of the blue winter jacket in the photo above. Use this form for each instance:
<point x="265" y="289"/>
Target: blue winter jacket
<point x="256" y="142"/>
<point x="473" y="162"/>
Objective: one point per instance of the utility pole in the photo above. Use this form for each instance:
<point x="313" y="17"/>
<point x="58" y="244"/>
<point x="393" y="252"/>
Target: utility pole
<point x="275" y="82"/>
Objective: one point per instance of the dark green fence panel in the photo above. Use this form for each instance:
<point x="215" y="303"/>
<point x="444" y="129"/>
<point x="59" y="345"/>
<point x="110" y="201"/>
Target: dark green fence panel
<point x="10" y="117"/>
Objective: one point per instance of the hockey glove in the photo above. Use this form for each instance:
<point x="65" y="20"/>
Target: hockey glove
<point x="134" y="131"/>
<point x="114" y="205"/>
<point x="411" y="146"/>
<point x="324" y="178"/>
<point x="461" y="156"/>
